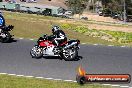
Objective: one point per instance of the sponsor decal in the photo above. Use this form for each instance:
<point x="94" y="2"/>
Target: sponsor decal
<point x="82" y="77"/>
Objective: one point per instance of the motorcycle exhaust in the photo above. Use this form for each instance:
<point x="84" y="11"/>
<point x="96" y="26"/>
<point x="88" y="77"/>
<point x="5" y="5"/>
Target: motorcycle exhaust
<point x="72" y="44"/>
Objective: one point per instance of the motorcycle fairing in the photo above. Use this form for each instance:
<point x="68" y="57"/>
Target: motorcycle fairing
<point x="49" y="50"/>
<point x="45" y="43"/>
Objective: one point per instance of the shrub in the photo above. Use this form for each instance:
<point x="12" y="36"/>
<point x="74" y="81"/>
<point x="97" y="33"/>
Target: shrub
<point x="123" y="40"/>
<point x="65" y="26"/>
<point x="81" y="29"/>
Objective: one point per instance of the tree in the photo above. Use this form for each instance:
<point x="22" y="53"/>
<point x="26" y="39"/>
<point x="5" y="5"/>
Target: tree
<point x="77" y="6"/>
<point x="129" y="7"/>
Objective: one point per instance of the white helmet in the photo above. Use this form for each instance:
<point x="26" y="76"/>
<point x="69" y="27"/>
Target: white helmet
<point x="55" y="28"/>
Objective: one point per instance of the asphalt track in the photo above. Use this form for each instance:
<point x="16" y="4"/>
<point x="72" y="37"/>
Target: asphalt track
<point x="15" y="59"/>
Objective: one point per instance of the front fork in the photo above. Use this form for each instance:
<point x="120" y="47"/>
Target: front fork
<point x="78" y="47"/>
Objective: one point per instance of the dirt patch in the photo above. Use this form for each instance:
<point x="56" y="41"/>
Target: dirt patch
<point x="96" y="17"/>
<point x="112" y="28"/>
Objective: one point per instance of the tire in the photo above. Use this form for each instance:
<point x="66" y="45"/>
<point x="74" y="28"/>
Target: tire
<point x="36" y="52"/>
<point x="7" y="38"/>
<point x="67" y="54"/>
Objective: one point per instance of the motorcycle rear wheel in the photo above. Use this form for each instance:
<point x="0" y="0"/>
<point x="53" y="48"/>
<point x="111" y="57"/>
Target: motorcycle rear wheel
<point x="36" y="52"/>
<point x="70" y="54"/>
<point x="7" y="38"/>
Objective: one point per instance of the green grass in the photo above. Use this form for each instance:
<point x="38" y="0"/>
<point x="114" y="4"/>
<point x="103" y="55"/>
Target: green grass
<point x="34" y="26"/>
<point x="23" y="82"/>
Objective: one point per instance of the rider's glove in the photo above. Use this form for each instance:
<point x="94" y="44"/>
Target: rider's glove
<point x="10" y="26"/>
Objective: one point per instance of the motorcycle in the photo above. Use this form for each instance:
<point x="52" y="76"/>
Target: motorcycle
<point x="5" y="36"/>
<point x="68" y="50"/>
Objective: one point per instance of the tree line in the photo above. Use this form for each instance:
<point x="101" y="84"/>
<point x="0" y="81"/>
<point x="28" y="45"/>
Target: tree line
<point x="78" y="6"/>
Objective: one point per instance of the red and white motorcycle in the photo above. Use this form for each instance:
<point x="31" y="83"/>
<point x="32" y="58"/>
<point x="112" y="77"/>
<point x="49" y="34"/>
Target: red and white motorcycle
<point x="68" y="50"/>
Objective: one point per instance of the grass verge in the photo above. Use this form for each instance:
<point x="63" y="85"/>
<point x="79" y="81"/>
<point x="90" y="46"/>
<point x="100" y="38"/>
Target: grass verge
<point x="34" y="26"/>
<point x="7" y="81"/>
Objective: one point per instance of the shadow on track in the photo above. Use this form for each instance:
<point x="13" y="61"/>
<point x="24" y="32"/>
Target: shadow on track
<point x="12" y="40"/>
<point x="57" y="57"/>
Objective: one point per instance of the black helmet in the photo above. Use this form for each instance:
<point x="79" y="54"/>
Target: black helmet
<point x="55" y="28"/>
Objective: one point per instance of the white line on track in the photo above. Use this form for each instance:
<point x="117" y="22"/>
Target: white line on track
<point x="123" y="46"/>
<point x="39" y="77"/>
<point x="106" y="84"/>
<point x="57" y="79"/>
<point x="115" y="85"/>
<point x="48" y="78"/>
<point x="29" y="76"/>
<point x="21" y="38"/>
<point x="95" y="44"/>
<point x="74" y="81"/>
<point x="110" y="45"/>
<point x="68" y="80"/>
<point x="11" y="74"/>
<point x="3" y="73"/>
<point x="19" y="75"/>
<point x="31" y="39"/>
<point x="124" y="86"/>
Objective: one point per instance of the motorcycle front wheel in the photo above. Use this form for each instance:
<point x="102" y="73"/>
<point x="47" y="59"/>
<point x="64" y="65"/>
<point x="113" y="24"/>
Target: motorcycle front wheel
<point x="36" y="52"/>
<point x="6" y="38"/>
<point x="70" y="54"/>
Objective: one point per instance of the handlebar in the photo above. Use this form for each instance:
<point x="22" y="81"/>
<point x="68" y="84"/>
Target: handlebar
<point x="8" y="28"/>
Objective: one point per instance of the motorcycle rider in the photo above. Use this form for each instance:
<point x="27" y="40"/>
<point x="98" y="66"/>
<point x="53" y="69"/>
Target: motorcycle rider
<point x="2" y="22"/>
<point x="3" y="26"/>
<point x="60" y="36"/>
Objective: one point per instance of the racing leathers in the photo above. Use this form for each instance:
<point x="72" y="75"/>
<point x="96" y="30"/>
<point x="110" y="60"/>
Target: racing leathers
<point x="60" y="37"/>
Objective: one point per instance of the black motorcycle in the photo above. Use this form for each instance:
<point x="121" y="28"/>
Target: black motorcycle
<point x="5" y="36"/>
